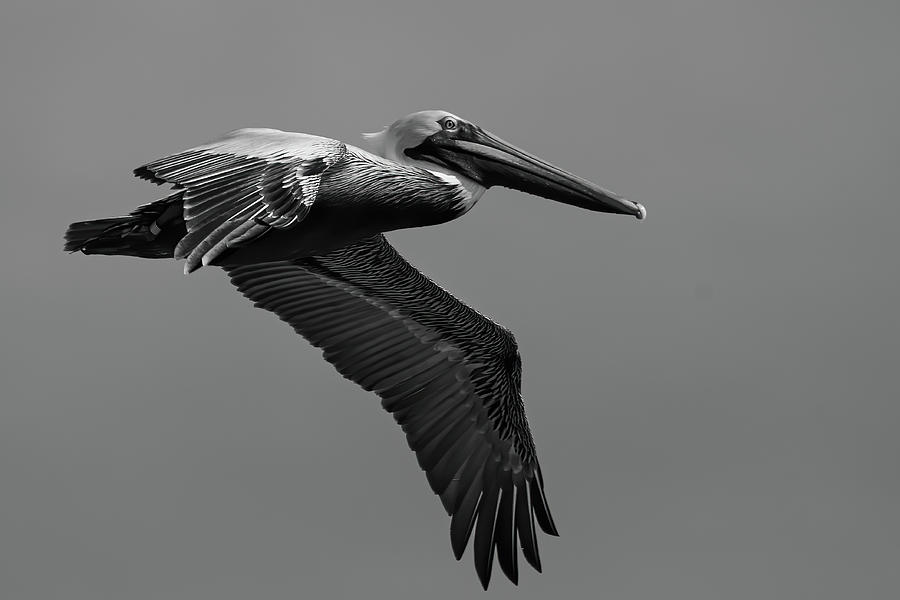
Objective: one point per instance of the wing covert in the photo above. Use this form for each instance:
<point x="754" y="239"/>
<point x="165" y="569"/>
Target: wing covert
<point x="450" y="377"/>
<point x="239" y="187"/>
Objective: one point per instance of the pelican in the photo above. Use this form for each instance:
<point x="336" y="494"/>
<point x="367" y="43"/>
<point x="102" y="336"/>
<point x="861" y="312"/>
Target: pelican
<point x="297" y="222"/>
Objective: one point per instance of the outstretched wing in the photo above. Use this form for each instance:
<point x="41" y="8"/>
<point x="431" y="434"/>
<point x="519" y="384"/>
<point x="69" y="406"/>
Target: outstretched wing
<point x="450" y="376"/>
<point x="237" y="188"/>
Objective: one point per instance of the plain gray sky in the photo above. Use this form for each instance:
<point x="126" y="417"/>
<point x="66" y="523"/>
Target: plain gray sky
<point x="713" y="392"/>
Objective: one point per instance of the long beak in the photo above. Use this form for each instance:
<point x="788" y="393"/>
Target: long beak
<point x="492" y="161"/>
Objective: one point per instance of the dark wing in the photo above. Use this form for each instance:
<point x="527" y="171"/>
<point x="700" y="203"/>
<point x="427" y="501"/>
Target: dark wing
<point x="237" y="188"/>
<point x="450" y="376"/>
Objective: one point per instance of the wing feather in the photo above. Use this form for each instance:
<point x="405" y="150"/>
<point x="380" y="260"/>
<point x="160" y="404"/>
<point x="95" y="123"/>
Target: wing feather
<point x="525" y="527"/>
<point x="483" y="544"/>
<point x="450" y="377"/>
<point x="505" y="537"/>
<point x="239" y="187"/>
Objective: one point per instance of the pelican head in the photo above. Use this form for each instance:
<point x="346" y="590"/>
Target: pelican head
<point x="450" y="144"/>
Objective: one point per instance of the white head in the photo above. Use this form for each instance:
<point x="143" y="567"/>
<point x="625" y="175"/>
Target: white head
<point x="411" y="131"/>
<point x="408" y="132"/>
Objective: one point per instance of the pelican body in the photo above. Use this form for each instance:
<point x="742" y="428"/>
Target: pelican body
<point x="297" y="222"/>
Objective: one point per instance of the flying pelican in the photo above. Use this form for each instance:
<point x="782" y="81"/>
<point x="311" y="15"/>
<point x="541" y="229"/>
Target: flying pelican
<point x="297" y="222"/>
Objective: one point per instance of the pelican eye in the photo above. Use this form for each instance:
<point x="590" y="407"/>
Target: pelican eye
<point x="449" y="124"/>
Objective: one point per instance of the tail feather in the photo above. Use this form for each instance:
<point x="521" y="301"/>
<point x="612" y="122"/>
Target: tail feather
<point x="80" y="234"/>
<point x="151" y="231"/>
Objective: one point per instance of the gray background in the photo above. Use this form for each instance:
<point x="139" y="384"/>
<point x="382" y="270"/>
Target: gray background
<point x="713" y="391"/>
